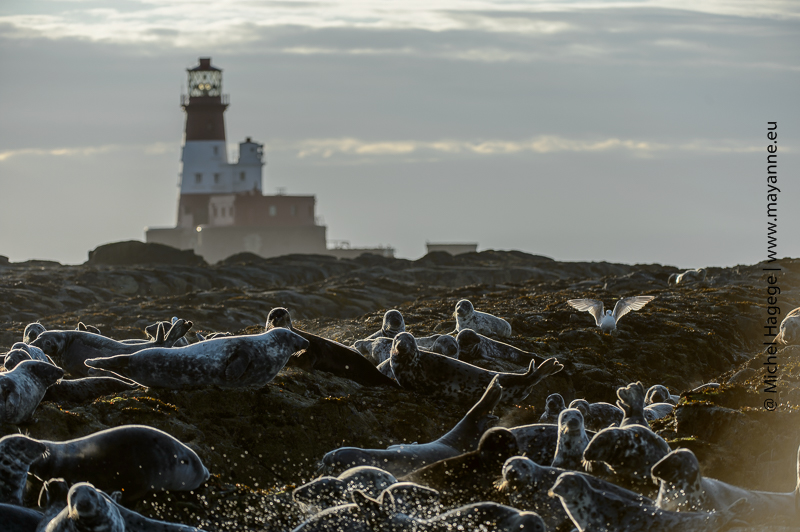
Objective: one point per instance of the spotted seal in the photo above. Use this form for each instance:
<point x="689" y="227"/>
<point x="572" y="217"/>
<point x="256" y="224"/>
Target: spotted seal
<point x="17" y="452"/>
<point x="404" y="458"/>
<point x="597" y="511"/>
<point x="382" y="514"/>
<point x="72" y="348"/>
<point x="475" y="346"/>
<point x="553" y="406"/>
<point x="393" y="324"/>
<point x="231" y="362"/>
<point x="480" y="322"/>
<point x="22" y="389"/>
<point x="469" y="477"/>
<point x="608" y="321"/>
<point x="326" y="355"/>
<point x="572" y="440"/>
<point x="54" y="497"/>
<point x="328" y="491"/>
<point x="32" y="331"/>
<point x="597" y="416"/>
<point x="682" y="488"/>
<point x="658" y="393"/>
<point x="134" y="459"/>
<point x="526" y="484"/>
<point x="695" y="276"/>
<point x="628" y="452"/>
<point x="434" y="374"/>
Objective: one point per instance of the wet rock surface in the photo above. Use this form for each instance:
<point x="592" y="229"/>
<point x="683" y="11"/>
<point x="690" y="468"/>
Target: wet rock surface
<point x="260" y="443"/>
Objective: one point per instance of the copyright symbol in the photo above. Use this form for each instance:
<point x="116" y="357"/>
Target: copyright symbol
<point x="770" y="404"/>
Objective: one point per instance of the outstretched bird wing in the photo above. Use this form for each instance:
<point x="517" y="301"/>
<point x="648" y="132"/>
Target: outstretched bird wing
<point x="592" y="306"/>
<point x="628" y="304"/>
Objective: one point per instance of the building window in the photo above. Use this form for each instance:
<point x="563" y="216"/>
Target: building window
<point x="198" y="178"/>
<point x="216" y="150"/>
<point x="294" y="210"/>
<point x="214" y="209"/>
<point x="241" y="176"/>
<point x="216" y="178"/>
<point x="273" y="210"/>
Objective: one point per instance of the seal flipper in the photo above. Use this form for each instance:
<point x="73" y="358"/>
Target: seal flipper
<point x="177" y="331"/>
<point x="376" y="512"/>
<point x="237" y="364"/>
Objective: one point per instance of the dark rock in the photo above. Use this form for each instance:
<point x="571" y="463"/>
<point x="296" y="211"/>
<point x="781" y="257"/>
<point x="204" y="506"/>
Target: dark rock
<point x="136" y="252"/>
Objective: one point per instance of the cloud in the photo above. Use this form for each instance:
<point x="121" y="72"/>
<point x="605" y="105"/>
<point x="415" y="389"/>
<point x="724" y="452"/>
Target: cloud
<point x="87" y="151"/>
<point x="327" y="148"/>
<point x="186" y="23"/>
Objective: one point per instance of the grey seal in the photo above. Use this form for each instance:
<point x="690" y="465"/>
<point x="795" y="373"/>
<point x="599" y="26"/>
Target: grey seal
<point x="86" y="389"/>
<point x="659" y="393"/>
<point x="32" y="331"/>
<point x="89" y="328"/>
<point x="608" y="321"/>
<point x="230" y="362"/>
<point x="789" y="330"/>
<point x="629" y="453"/>
<point x="87" y="511"/>
<point x="18" y="519"/>
<point x="22" y="389"/>
<point x="328" y="491"/>
<point x="17" y="452"/>
<point x="697" y="275"/>
<point x="597" y="416"/>
<point x="72" y="348"/>
<point x="326" y="355"/>
<point x="382" y="514"/>
<point x="134" y="459"/>
<point x="34" y="352"/>
<point x="572" y="440"/>
<point x="631" y="401"/>
<point x="408" y="498"/>
<point x="469" y="477"/>
<point x="526" y="484"/>
<point x="404" y="458"/>
<point x="14" y="357"/>
<point x="54" y="496"/>
<point x="597" y="511"/>
<point x="538" y="441"/>
<point x="475" y="346"/>
<point x="434" y="374"/>
<point x="378" y="350"/>
<point x="480" y="322"/>
<point x="682" y="488"/>
<point x="393" y="324"/>
<point x="553" y="406"/>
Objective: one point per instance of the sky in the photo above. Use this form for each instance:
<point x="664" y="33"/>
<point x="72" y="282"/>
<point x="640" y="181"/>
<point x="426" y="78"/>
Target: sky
<point x="624" y="131"/>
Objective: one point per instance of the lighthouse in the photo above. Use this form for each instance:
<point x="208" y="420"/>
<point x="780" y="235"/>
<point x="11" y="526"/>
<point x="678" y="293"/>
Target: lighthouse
<point x="222" y="210"/>
<point x="204" y="158"/>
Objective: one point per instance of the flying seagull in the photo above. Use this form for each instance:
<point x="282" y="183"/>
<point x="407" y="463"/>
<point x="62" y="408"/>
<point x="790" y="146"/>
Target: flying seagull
<point x="608" y="321"/>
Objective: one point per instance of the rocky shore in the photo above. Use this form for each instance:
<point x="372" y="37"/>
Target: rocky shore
<point x="259" y="444"/>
